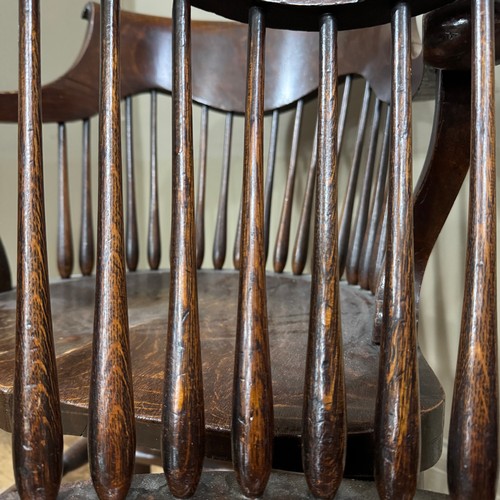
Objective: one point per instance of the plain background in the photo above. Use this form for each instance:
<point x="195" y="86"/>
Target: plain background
<point x="62" y="34"/>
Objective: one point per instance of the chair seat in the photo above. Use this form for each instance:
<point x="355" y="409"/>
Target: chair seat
<point x="288" y="310"/>
<point x="223" y="485"/>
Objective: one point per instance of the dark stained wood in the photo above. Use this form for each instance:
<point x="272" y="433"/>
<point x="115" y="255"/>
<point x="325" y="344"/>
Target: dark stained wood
<point x="473" y="440"/>
<point x="356" y="241"/>
<point x="237" y="240"/>
<point x="324" y="418"/>
<point x="223" y="486"/>
<point x="302" y="239"/>
<point x="252" y="424"/>
<point x="443" y="173"/>
<point x="220" y="238"/>
<point x="75" y="456"/>
<point x="154" y="243"/>
<point x="111" y="424"/>
<point x="376" y="208"/>
<point x="36" y="417"/>
<point x="132" y="240"/>
<point x="448" y="39"/>
<point x="183" y="414"/>
<point x="350" y="195"/>
<point x="202" y="175"/>
<point x="268" y="186"/>
<point x="288" y="319"/>
<point x="379" y="249"/>
<point x="86" y="253"/>
<point x="283" y="234"/>
<point x="64" y="236"/>
<point x="5" y="279"/>
<point x="397" y="422"/>
<point x="304" y="14"/>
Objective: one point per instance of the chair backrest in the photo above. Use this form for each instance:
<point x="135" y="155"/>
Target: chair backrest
<point x="111" y="423"/>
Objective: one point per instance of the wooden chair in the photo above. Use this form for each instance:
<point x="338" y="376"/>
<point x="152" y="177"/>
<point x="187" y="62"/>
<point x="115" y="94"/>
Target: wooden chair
<point x="37" y="415"/>
<point x="143" y="40"/>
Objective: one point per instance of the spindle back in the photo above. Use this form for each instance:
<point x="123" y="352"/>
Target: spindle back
<point x="111" y="425"/>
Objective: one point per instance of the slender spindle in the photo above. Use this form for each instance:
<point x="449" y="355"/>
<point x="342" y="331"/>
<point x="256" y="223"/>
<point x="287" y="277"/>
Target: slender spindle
<point x="237" y="239"/>
<point x="473" y="440"/>
<point x="352" y="267"/>
<point x="200" y="202"/>
<point x="36" y="419"/>
<point x="220" y="238"/>
<point x="86" y="253"/>
<point x="268" y="186"/>
<point x="397" y="417"/>
<point x="283" y="236"/>
<point x="252" y="418"/>
<point x="154" y="242"/>
<point x="132" y="240"/>
<point x="183" y="413"/>
<point x="302" y="239"/>
<point x="64" y="235"/>
<point x="324" y="418"/>
<point x="350" y="196"/>
<point x="376" y="209"/>
<point x="111" y="430"/>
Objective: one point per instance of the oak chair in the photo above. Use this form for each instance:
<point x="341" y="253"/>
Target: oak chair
<point x="111" y="424"/>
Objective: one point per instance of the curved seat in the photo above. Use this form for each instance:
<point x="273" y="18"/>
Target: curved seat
<point x="72" y="310"/>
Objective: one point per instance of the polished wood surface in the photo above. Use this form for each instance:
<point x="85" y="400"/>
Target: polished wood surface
<point x="111" y="426"/>
<point x="252" y="414"/>
<point x="324" y="418"/>
<point x="331" y="404"/>
<point x="473" y="440"/>
<point x="397" y="424"/>
<point x="183" y="431"/>
<point x="35" y="412"/>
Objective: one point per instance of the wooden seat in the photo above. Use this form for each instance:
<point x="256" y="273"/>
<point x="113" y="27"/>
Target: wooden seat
<point x="270" y="315"/>
<point x="143" y="40"/>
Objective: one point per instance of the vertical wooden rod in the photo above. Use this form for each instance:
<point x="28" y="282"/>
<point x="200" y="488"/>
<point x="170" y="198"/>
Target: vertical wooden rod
<point x="348" y="205"/>
<point x="473" y="441"/>
<point x="283" y="236"/>
<point x="268" y="186"/>
<point x="202" y="176"/>
<point x="377" y="207"/>
<point x="154" y="242"/>
<point x="183" y="414"/>
<point x="220" y="238"/>
<point x="397" y="418"/>
<point x="252" y="419"/>
<point x="111" y="433"/>
<point x="64" y="236"/>
<point x="324" y="417"/>
<point x="37" y="431"/>
<point x="86" y="253"/>
<point x="343" y="112"/>
<point x="132" y="240"/>
<point x="302" y="239"/>
<point x="355" y="245"/>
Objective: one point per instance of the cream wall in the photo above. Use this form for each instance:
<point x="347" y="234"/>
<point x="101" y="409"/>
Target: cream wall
<point x="62" y="33"/>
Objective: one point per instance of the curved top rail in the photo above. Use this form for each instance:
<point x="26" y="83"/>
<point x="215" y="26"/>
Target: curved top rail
<point x="146" y="47"/>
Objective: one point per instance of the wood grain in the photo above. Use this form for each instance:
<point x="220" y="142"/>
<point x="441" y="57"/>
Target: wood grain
<point x="111" y="430"/>
<point x="154" y="242"/>
<point x="324" y="417"/>
<point x="86" y="253"/>
<point x="36" y="417"/>
<point x="397" y="422"/>
<point x="131" y="237"/>
<point x="183" y="413"/>
<point x="473" y="440"/>
<point x="64" y="235"/>
<point x="283" y="234"/>
<point x="202" y="176"/>
<point x="252" y="414"/>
